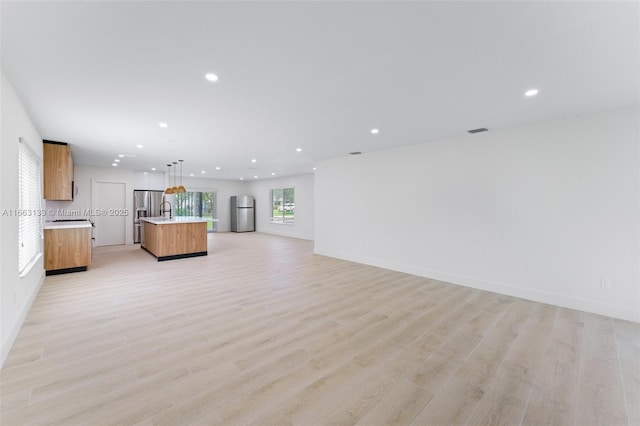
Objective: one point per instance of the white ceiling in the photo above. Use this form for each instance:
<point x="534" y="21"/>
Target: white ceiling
<point x="314" y="75"/>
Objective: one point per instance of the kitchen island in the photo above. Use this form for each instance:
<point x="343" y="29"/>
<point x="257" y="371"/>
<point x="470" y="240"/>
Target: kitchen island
<point x="176" y="237"/>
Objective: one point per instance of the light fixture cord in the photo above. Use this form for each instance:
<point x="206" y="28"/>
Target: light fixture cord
<point x="174" y="174"/>
<point x="168" y="183"/>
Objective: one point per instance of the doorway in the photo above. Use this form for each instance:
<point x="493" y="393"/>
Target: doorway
<point x="109" y="212"/>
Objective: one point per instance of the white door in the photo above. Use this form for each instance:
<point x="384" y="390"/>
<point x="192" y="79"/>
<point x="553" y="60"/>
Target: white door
<point x="109" y="209"/>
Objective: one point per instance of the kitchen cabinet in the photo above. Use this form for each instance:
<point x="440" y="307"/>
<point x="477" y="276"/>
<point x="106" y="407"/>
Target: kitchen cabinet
<point x="67" y="248"/>
<point x="58" y="171"/>
<point x="175" y="238"/>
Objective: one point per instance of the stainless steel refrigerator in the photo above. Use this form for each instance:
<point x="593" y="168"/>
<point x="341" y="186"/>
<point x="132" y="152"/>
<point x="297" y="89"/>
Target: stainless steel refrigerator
<point x="145" y="204"/>
<point x="243" y="213"/>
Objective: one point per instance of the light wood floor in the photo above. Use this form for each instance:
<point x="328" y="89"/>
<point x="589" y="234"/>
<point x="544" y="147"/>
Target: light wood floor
<point x="263" y="332"/>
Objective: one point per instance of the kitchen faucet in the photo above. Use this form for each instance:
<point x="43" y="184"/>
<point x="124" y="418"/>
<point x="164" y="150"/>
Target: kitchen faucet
<point x="162" y="212"/>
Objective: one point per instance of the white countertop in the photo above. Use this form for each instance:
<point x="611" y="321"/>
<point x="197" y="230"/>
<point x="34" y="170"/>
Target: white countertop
<point x="158" y="220"/>
<point x="67" y="225"/>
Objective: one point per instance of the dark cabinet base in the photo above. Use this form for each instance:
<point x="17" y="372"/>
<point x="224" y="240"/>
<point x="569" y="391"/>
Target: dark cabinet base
<point x="66" y="270"/>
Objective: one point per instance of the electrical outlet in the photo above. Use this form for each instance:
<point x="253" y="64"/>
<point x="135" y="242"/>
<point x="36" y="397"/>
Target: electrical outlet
<point x="605" y="283"/>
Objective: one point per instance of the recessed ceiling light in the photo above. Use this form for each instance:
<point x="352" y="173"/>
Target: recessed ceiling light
<point x="163" y="125"/>
<point x="211" y="77"/>
<point x="191" y="174"/>
<point x="241" y="178"/>
<point x="139" y="146"/>
<point x="116" y="160"/>
<point x="121" y="155"/>
<point x="273" y="174"/>
<point x="298" y="149"/>
<point x="314" y="168"/>
<point x="115" y="164"/>
<point x="203" y="172"/>
<point x="253" y="160"/>
<point x="217" y="167"/>
<point x="531" y="92"/>
<point x="375" y="131"/>
<point x="255" y="177"/>
<point x="153" y="168"/>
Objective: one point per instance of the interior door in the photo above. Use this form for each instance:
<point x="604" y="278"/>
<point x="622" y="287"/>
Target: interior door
<point x="109" y="208"/>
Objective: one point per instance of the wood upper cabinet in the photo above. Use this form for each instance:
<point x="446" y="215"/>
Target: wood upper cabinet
<point x="58" y="171"/>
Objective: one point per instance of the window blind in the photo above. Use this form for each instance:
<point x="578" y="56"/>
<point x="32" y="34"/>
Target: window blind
<point x="30" y="199"/>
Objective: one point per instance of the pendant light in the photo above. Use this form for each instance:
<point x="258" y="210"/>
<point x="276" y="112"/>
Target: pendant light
<point x="169" y="189"/>
<point x="174" y="188"/>
<point x="181" y="189"/>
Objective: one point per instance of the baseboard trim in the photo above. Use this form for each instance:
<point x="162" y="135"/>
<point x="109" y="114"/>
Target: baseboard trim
<point x="292" y="235"/>
<point x="7" y="343"/>
<point x="571" y="302"/>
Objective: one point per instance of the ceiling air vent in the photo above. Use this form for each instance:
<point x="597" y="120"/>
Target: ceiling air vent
<point x="480" y="130"/>
<point x="355" y="153"/>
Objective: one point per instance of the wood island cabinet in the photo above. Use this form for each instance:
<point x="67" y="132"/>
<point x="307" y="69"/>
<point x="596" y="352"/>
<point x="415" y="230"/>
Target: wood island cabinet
<point x="174" y="239"/>
<point x="58" y="171"/>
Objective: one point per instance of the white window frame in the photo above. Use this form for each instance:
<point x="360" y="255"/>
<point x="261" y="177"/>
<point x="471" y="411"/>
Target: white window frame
<point x="283" y="219"/>
<point x="29" y="208"/>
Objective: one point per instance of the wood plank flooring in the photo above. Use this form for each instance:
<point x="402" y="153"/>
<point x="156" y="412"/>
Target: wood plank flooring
<point x="263" y="332"/>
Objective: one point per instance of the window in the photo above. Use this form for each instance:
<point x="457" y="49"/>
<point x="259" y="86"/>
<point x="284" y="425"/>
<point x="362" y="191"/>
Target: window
<point x="29" y="204"/>
<point x="283" y="205"/>
<point x="200" y="204"/>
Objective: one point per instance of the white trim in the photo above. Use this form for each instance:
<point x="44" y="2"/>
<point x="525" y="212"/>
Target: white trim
<point x="572" y="302"/>
<point x="30" y="265"/>
<point x="281" y="222"/>
<point x="8" y="342"/>
<point x="288" y="235"/>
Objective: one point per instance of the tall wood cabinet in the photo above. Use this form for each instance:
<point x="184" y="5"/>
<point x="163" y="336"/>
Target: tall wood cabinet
<point x="58" y="171"/>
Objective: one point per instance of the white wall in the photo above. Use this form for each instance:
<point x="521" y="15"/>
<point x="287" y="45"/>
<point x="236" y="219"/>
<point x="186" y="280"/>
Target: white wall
<point x="150" y="181"/>
<point x="17" y="294"/>
<point x="304" y="206"/>
<point x="543" y="211"/>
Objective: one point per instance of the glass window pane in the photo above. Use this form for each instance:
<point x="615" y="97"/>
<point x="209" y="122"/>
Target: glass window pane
<point x="289" y="204"/>
<point x="199" y="204"/>
<point x="282" y="205"/>
<point x="276" y="202"/>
